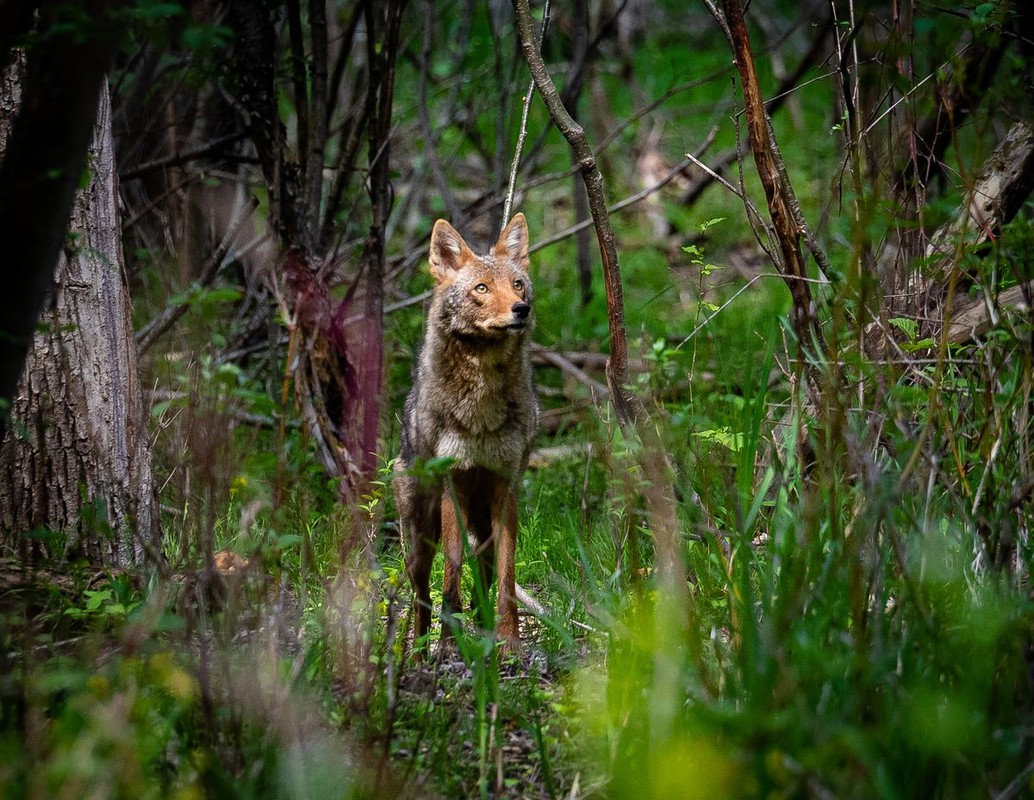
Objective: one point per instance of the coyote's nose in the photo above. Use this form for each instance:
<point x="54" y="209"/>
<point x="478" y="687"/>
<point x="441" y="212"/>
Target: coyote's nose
<point x="521" y="310"/>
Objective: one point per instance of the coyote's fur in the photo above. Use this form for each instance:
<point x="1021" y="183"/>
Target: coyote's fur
<point x="473" y="401"/>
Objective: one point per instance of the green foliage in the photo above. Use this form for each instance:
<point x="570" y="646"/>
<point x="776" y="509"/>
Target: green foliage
<point x="854" y="626"/>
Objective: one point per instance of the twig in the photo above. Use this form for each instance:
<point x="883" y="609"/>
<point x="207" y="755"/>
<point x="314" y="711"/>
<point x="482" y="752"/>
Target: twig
<point x="624" y="403"/>
<point x="590" y="360"/>
<point x="180" y="158"/>
<point x="546" y="456"/>
<point x="772" y="173"/>
<point x="528" y="601"/>
<point x="430" y="140"/>
<point x="318" y="120"/>
<point x="523" y="134"/>
<point x="298" y="77"/>
<point x="721" y="308"/>
<point x="150" y="333"/>
<point x="638" y="197"/>
<point x="1016" y="785"/>
<point x="557" y="360"/>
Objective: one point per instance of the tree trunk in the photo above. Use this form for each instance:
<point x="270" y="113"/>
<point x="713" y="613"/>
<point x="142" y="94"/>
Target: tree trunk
<point x="76" y="458"/>
<point x="46" y="153"/>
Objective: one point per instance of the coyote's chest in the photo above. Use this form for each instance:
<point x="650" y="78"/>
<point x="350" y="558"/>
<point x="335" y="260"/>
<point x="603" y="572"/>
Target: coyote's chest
<point x="500" y="451"/>
<point x="483" y="425"/>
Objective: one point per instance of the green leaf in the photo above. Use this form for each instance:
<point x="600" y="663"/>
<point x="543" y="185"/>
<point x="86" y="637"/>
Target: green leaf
<point x="909" y="326"/>
<point x="221" y="294"/>
<point x="97" y="598"/>
<point x="922" y="344"/>
<point x="724" y="437"/>
<point x="156" y="12"/>
<point x="983" y="11"/>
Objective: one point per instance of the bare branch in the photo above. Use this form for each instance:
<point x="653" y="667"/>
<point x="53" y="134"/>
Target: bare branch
<point x="318" y="119"/>
<point x="569" y="368"/>
<point x="523" y="134"/>
<point x="773" y="177"/>
<point x="298" y="78"/>
<point x="430" y="140"/>
<point x="629" y="409"/>
<point x="177" y="159"/>
<point x="152" y="331"/>
<point x="625" y="406"/>
<point x="617" y="207"/>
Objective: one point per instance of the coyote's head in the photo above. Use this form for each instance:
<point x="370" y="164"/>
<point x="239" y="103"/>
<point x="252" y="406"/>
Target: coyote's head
<point x="485" y="297"/>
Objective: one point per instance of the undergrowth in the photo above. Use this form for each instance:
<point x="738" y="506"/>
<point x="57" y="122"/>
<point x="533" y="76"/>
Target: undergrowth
<point x="857" y="619"/>
<point x="856" y="627"/>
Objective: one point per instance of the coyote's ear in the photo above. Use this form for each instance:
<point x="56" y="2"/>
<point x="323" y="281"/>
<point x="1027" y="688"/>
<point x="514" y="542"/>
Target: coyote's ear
<point x="448" y="250"/>
<point x="513" y="241"/>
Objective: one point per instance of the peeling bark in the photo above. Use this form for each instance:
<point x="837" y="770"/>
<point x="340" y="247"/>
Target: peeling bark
<point x="1004" y="183"/>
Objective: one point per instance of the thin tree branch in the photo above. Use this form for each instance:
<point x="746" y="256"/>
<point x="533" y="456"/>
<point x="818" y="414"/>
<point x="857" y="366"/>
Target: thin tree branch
<point x="430" y="140"/>
<point x="629" y="409"/>
<point x="177" y="159"/>
<point x="638" y="197"/>
<point x="575" y="136"/>
<point x="152" y="331"/>
<point x="523" y="134"/>
<point x="318" y="119"/>
<point x="342" y="60"/>
<point x="773" y="178"/>
<point x="565" y="365"/>
<point x="349" y="143"/>
<point x="298" y="79"/>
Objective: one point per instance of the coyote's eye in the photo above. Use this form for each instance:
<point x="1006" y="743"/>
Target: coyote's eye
<point x="481" y="288"/>
<point x="518" y="284"/>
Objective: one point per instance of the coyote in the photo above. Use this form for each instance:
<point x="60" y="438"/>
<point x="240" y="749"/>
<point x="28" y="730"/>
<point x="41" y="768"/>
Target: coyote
<point x="473" y="401"/>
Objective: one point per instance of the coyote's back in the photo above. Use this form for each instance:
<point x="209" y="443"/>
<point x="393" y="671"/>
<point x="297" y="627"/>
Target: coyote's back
<point x="473" y="400"/>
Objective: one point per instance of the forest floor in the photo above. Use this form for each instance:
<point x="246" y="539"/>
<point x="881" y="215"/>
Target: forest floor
<point x="493" y="724"/>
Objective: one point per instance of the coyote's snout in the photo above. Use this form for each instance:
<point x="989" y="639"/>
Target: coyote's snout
<point x="473" y="401"/>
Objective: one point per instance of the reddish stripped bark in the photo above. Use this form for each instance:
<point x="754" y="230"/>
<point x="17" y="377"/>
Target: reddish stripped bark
<point x="337" y="370"/>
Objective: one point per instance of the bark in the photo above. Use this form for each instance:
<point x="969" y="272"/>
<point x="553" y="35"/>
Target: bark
<point x="628" y="407"/>
<point x="336" y="370"/>
<point x="977" y="318"/>
<point x="77" y="457"/>
<point x="1002" y="186"/>
<point x="778" y="193"/>
<point x="1004" y="183"/>
<point x="45" y="157"/>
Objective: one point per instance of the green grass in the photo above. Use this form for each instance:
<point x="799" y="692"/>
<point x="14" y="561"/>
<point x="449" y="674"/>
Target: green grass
<point x="860" y="629"/>
<point x="845" y="635"/>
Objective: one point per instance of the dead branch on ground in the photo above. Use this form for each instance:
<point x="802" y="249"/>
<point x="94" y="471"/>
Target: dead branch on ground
<point x="1004" y="183"/>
